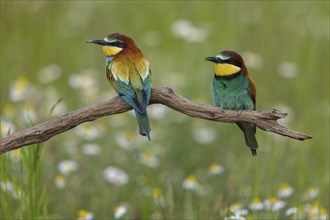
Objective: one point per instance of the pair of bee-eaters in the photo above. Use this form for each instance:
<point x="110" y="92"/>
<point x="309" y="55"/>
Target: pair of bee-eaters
<point x="128" y="72"/>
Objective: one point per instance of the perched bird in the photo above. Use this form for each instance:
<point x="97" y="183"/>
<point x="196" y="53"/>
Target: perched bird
<point x="129" y="74"/>
<point x="233" y="88"/>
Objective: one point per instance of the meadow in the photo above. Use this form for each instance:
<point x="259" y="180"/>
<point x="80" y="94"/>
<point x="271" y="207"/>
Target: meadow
<point x="192" y="168"/>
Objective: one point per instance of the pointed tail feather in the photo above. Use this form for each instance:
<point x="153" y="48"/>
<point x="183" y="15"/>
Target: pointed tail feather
<point x="249" y="131"/>
<point x="143" y="122"/>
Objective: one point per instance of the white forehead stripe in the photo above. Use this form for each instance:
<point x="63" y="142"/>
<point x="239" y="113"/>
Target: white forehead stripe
<point x="223" y="57"/>
<point x="109" y="40"/>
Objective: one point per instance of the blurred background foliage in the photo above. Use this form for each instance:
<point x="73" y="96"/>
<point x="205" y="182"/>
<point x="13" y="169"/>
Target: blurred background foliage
<point x="191" y="168"/>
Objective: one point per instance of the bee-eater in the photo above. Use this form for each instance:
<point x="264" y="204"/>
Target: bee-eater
<point x="233" y="88"/>
<point x="129" y="74"/>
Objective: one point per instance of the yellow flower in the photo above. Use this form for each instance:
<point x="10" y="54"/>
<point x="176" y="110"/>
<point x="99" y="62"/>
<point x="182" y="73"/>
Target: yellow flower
<point x="156" y="192"/>
<point x="317" y="212"/>
<point x="190" y="183"/>
<point x="6" y="128"/>
<point x="311" y="192"/>
<point x="6" y="185"/>
<point x="20" y="89"/>
<point x="15" y="154"/>
<point x="256" y="204"/>
<point x="18" y="193"/>
<point x="274" y="204"/>
<point x="149" y="159"/>
<point x="237" y="216"/>
<point x="237" y="209"/>
<point x="67" y="166"/>
<point x="291" y="211"/>
<point x="119" y="211"/>
<point x="235" y="206"/>
<point x="60" y="181"/>
<point x="85" y="215"/>
<point x="158" y="197"/>
<point x="285" y="191"/>
<point x="215" y="169"/>
<point x="126" y="139"/>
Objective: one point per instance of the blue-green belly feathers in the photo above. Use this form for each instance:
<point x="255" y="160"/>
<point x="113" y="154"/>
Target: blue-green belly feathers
<point x="232" y="93"/>
<point x="235" y="94"/>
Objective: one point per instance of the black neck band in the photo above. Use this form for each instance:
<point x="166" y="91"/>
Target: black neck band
<point x="228" y="77"/>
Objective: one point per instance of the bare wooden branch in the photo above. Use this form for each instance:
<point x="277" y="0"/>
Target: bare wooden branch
<point x="265" y="120"/>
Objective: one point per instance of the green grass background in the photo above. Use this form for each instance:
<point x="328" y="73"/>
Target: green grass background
<point x="35" y="34"/>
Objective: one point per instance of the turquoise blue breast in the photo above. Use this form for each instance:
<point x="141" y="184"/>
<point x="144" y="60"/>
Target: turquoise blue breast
<point x="232" y="93"/>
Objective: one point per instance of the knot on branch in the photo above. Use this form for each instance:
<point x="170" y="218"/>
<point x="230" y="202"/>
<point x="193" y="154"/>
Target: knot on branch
<point x="278" y="114"/>
<point x="273" y="114"/>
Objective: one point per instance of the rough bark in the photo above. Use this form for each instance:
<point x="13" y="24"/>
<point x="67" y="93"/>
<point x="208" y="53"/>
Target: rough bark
<point x="265" y="120"/>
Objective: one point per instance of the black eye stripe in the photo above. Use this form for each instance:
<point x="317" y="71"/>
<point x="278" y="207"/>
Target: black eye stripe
<point x="233" y="62"/>
<point x="118" y="44"/>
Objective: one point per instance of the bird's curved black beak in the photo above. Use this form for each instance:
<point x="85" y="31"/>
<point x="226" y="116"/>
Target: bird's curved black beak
<point x="213" y="59"/>
<point x="99" y="42"/>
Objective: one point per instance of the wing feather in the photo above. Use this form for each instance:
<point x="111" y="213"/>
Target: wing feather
<point x="253" y="90"/>
<point x="133" y="86"/>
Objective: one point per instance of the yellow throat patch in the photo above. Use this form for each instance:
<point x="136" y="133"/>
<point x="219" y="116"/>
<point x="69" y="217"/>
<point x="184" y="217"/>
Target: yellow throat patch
<point x="111" y="51"/>
<point x="225" y="69"/>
